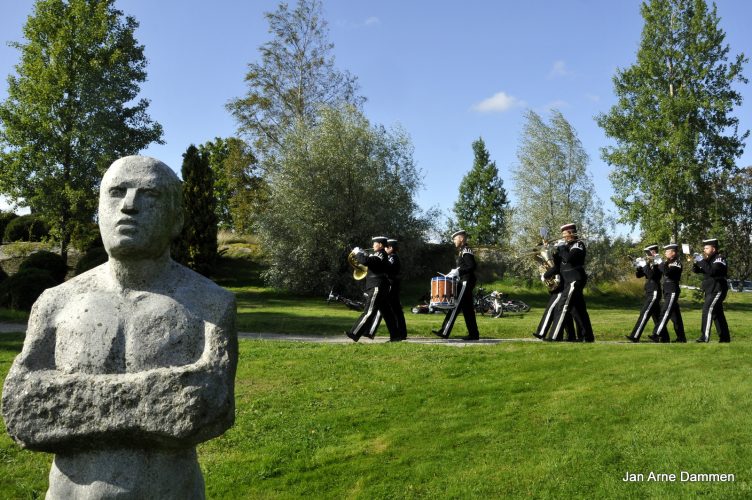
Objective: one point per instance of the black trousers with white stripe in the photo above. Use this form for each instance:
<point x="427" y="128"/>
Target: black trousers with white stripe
<point x="464" y="304"/>
<point x="574" y="304"/>
<point x="376" y="306"/>
<point x="670" y="311"/>
<point x="549" y="318"/>
<point x="712" y="312"/>
<point x="650" y="309"/>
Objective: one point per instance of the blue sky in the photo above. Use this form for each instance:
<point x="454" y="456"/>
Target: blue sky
<point x="447" y="72"/>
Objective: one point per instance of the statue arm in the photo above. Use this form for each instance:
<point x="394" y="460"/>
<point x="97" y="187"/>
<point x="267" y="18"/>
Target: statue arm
<point x="172" y="407"/>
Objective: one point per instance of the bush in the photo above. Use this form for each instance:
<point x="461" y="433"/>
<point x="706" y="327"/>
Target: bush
<point x="26" y="228"/>
<point x="3" y="275"/>
<point x="21" y="290"/>
<point x="48" y="261"/>
<point x="91" y="259"/>
<point x="5" y="218"/>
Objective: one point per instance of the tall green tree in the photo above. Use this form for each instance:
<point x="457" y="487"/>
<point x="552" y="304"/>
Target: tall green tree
<point x="340" y="182"/>
<point x="71" y="110"/>
<point x="197" y="245"/>
<point x="675" y="134"/>
<point x="239" y="188"/>
<point x="735" y="231"/>
<point x="482" y="205"/>
<point x="295" y="76"/>
<point x="552" y="184"/>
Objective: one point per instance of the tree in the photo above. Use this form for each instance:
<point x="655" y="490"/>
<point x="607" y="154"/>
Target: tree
<point x="675" y="136"/>
<point x="197" y="247"/>
<point x="70" y="110"/>
<point x="552" y="184"/>
<point x="239" y="189"/>
<point x="481" y="208"/>
<point x="339" y="183"/>
<point x="736" y="230"/>
<point x="296" y="75"/>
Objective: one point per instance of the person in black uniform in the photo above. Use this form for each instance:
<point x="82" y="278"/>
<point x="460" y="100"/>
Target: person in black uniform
<point x="555" y="296"/>
<point x="572" y="252"/>
<point x="715" y="286"/>
<point x="377" y="289"/>
<point x="671" y="269"/>
<point x="394" y="274"/>
<point x="465" y="270"/>
<point x="648" y="268"/>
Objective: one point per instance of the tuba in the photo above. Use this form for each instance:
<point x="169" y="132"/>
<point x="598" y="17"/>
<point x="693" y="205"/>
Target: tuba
<point x="359" y="270"/>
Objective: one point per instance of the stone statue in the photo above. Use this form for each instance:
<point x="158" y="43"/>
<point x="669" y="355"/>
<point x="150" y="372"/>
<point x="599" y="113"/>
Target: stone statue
<point x="127" y="367"/>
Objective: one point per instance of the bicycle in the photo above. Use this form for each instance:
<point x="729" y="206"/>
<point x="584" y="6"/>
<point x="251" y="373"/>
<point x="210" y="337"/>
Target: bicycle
<point x="497" y="304"/>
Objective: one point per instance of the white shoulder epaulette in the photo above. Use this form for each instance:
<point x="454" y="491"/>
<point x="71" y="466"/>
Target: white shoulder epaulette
<point x="466" y="250"/>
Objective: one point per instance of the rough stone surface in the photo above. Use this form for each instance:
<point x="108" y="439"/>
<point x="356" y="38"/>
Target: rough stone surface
<point x="127" y="367"/>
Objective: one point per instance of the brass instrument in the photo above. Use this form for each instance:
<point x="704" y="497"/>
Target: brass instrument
<point x="542" y="255"/>
<point x="359" y="270"/>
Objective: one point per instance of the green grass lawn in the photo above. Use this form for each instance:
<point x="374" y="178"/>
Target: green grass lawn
<point x="522" y="419"/>
<point x="429" y="421"/>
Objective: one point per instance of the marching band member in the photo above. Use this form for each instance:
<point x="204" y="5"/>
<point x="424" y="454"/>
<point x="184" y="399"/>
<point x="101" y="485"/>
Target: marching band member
<point x="394" y="274"/>
<point x="555" y="296"/>
<point x="713" y="266"/>
<point x="377" y="288"/>
<point x="671" y="269"/>
<point x="572" y="252"/>
<point x="648" y="268"/>
<point x="465" y="270"/>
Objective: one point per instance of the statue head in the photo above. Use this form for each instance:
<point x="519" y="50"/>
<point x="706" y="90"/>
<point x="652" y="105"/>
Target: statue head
<point x="140" y="208"/>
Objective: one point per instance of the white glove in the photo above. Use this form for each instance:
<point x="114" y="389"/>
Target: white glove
<point x="454" y="273"/>
<point x="698" y="257"/>
<point x="657" y="261"/>
<point x="560" y="243"/>
<point x="543" y="279"/>
<point x="640" y="262"/>
<point x="356" y="250"/>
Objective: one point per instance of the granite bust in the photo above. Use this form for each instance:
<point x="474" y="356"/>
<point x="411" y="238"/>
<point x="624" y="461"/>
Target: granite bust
<point x="127" y="367"/>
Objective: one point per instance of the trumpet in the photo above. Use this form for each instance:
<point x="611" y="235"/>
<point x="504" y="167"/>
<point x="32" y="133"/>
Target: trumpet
<point x="647" y="259"/>
<point x="359" y="270"/>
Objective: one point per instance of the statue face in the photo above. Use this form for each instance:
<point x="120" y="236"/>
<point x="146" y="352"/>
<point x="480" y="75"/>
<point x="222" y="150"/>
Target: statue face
<point x="138" y="212"/>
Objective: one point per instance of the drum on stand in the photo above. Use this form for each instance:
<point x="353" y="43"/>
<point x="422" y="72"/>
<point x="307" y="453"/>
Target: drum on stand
<point x="443" y="292"/>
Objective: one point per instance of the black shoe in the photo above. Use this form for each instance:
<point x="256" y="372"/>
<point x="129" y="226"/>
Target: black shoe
<point x="680" y="341"/>
<point x="396" y="340"/>
<point x="589" y="340"/>
<point x="632" y="339"/>
<point x="537" y="336"/>
<point x="352" y="337"/>
<point x="439" y="334"/>
<point x="701" y="340"/>
<point x="469" y="338"/>
<point x="654" y="338"/>
<point x="724" y="341"/>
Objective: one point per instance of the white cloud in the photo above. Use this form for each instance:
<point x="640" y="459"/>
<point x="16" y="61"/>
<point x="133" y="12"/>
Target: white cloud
<point x="559" y="70"/>
<point x="498" y="103"/>
<point x="372" y="21"/>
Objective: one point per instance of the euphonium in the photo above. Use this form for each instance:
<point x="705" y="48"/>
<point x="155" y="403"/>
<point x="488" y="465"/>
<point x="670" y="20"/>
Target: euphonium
<point x="545" y="262"/>
<point x="359" y="270"/>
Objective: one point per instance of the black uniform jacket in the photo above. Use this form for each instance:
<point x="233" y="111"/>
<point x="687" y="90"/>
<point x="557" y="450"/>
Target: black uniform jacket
<point x="466" y="264"/>
<point x="394" y="271"/>
<point x="378" y="267"/>
<point x="672" y="271"/>
<point x="573" y="261"/>
<point x="715" y="271"/>
<point x="653" y="276"/>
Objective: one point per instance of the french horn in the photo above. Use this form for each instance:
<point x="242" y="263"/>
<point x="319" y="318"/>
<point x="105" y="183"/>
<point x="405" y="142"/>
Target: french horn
<point x="359" y="270"/>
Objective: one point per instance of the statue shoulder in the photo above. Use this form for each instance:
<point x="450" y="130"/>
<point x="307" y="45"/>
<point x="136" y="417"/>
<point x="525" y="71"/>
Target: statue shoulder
<point x="202" y="295"/>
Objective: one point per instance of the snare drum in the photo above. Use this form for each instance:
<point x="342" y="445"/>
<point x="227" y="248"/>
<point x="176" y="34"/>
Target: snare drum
<point x="443" y="292"/>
